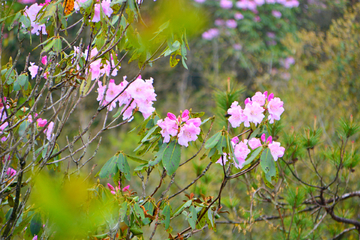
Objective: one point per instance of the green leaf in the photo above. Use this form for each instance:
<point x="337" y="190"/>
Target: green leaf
<point x="151" y="131"/>
<point x="23" y="127"/>
<point x="23" y="78"/>
<point x="253" y="156"/>
<point x="57" y="45"/>
<point x="25" y="20"/>
<point x="16" y="86"/>
<point x="211" y="142"/>
<point x="35" y="224"/>
<point x="136" y="230"/>
<point x="211" y="216"/>
<point x="221" y="144"/>
<point x="136" y="159"/>
<point x="267" y="164"/>
<point x="166" y="213"/>
<point x="181" y="208"/>
<point x="171" y="157"/>
<point x="139" y="211"/>
<point x="192" y="217"/>
<point x="158" y="156"/>
<point x="123" y="166"/>
<point x="48" y="46"/>
<point x="109" y="168"/>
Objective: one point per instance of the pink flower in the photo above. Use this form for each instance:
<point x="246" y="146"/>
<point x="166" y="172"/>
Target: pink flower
<point x="275" y="108"/>
<point x="259" y="97"/>
<point x="35" y="237"/>
<point x="259" y="2"/>
<point x="254" y="143"/>
<point x="237" y="116"/>
<point x="254" y="112"/>
<point x="95" y="69"/>
<point x="10" y="172"/>
<point x="276" y="150"/>
<point x="168" y="128"/>
<point x="44" y="60"/>
<point x="188" y="132"/>
<point x="105" y="5"/>
<point x="238" y="16"/>
<point x="78" y="4"/>
<point x="234" y="141"/>
<point x="32" y="12"/>
<point x="41" y="122"/>
<point x="126" y="188"/>
<point x="200" y="1"/>
<point x="183" y="127"/>
<point x="226" y="4"/>
<point x="33" y="70"/>
<point x="26" y="1"/>
<point x="231" y="23"/>
<point x="276" y="14"/>
<point x="268" y="140"/>
<point x="116" y="189"/>
<point x="241" y="151"/>
<point x="210" y="34"/>
<point x="222" y="159"/>
<point x="49" y="131"/>
<point x="289" y="3"/>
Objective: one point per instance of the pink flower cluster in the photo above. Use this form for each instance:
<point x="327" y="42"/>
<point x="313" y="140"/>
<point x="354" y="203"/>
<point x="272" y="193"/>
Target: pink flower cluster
<point x="42" y="123"/>
<point x="244" y="5"/>
<point x="117" y="189"/>
<point x="243" y="148"/>
<point x="105" y="5"/>
<point x="31" y="12"/>
<point x="139" y="95"/>
<point x="99" y="67"/>
<point x="185" y="128"/>
<point x="253" y="4"/>
<point x="254" y="110"/>
<point x="210" y="34"/>
<point x="33" y="69"/>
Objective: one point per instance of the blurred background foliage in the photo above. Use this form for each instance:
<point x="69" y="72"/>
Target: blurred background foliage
<point x="321" y="85"/>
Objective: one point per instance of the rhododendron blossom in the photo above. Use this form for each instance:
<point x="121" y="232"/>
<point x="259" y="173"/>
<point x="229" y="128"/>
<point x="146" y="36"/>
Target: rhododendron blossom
<point x="254" y="143"/>
<point x="276" y="150"/>
<point x="185" y="128"/>
<point x="275" y="108"/>
<point x="116" y="189"/>
<point x="226" y="4"/>
<point x="139" y="95"/>
<point x="241" y="152"/>
<point x="105" y="5"/>
<point x="254" y="110"/>
<point x="33" y="69"/>
<point x="32" y="12"/>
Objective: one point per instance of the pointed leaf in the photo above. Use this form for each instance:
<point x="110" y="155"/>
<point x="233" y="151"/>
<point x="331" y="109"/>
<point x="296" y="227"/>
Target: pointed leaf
<point x="267" y="164"/>
<point x="171" y="157"/>
<point x="211" y="142"/>
<point x="109" y="168"/>
<point x="123" y="166"/>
